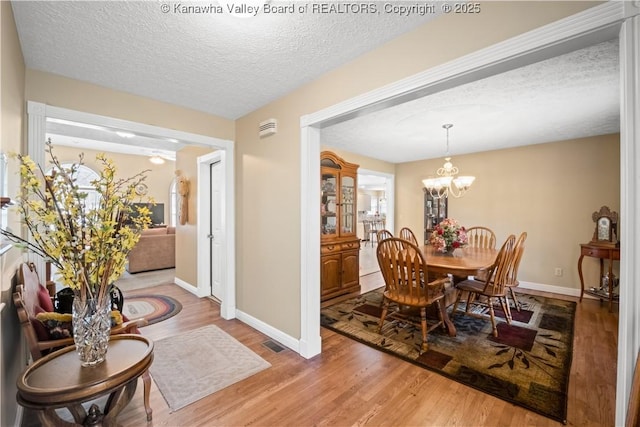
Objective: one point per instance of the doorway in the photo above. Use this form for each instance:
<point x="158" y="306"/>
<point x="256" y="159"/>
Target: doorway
<point x="216" y="222"/>
<point x="376" y="203"/>
<point x="39" y="113"/>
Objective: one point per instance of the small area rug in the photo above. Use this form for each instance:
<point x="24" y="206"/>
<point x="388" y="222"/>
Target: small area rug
<point x="190" y="366"/>
<point x="528" y="364"/>
<point x="154" y="308"/>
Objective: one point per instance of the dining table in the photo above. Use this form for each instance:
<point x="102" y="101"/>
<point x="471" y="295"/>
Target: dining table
<point x="463" y="262"/>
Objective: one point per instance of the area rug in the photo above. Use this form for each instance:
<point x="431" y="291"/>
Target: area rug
<point x="528" y="364"/>
<point x="190" y="366"/>
<point x="154" y="308"/>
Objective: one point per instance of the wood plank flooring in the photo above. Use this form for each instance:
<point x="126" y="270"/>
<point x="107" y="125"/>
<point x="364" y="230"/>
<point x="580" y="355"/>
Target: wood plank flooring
<point x="350" y="384"/>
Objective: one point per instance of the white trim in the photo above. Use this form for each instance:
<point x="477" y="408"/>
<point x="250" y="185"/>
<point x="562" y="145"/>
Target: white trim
<point x="270" y="331"/>
<point x="228" y="297"/>
<point x="310" y="341"/>
<point x="629" y="322"/>
<point x="390" y="194"/>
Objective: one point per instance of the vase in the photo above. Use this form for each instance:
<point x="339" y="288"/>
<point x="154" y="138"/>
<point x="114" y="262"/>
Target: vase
<point x="91" y="328"/>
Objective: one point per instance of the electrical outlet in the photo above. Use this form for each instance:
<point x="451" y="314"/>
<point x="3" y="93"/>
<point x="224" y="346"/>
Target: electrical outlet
<point x="558" y="272"/>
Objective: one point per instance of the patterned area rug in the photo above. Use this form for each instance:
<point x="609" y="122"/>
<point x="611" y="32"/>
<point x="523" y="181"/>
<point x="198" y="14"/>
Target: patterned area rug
<point x="528" y="364"/>
<point x="190" y="366"/>
<point x="154" y="308"/>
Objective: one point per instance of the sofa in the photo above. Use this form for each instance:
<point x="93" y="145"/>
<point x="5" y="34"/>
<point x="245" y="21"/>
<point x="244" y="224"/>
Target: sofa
<point x="155" y="250"/>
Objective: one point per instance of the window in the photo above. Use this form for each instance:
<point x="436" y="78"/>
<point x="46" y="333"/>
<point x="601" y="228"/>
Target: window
<point x="85" y="175"/>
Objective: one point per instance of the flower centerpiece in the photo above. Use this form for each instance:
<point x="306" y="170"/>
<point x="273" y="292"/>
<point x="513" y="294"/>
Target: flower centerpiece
<point x="448" y="235"/>
<point x="86" y="239"/>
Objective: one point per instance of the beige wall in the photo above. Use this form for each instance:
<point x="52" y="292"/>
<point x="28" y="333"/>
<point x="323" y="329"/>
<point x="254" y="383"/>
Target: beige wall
<point x="186" y="238"/>
<point x="158" y="179"/>
<point x="12" y="132"/>
<point x="12" y="105"/>
<point x="548" y="190"/>
<point x="60" y="91"/>
<point x="268" y="170"/>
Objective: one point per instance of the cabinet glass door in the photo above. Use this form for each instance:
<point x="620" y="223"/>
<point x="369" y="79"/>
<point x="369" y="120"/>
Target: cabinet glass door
<point x="347" y="213"/>
<point x="329" y="204"/>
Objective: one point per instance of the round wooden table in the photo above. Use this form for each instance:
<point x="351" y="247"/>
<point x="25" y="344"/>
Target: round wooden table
<point x="467" y="261"/>
<point x="58" y="380"/>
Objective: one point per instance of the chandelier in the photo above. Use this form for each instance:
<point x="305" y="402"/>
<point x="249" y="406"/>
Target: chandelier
<point x="447" y="175"/>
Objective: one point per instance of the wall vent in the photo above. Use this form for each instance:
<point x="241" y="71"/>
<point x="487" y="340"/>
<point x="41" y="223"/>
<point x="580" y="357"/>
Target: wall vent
<point x="268" y="127"/>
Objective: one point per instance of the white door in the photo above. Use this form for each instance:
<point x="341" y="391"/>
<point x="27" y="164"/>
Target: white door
<point x="215" y="229"/>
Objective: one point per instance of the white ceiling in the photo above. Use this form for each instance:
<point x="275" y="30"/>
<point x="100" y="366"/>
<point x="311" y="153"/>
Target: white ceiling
<point x="212" y="62"/>
<point x="230" y="66"/>
<point x="571" y="96"/>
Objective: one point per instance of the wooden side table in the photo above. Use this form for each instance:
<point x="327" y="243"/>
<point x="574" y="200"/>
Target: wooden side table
<point x="602" y="252"/>
<point x="59" y="381"/>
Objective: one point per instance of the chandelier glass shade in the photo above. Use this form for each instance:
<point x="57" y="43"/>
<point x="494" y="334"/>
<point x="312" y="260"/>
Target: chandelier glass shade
<point x="448" y="183"/>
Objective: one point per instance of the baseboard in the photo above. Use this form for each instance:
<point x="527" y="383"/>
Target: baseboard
<point x="561" y="290"/>
<point x="270" y="331"/>
<point x="187" y="287"/>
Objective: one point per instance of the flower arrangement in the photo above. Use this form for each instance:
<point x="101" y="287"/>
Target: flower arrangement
<point x="88" y="244"/>
<point x="448" y="235"/>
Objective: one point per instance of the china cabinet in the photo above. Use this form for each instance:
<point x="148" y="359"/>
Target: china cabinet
<point x="340" y="247"/>
<point x="435" y="210"/>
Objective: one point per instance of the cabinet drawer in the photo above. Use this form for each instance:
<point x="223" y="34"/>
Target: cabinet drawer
<point x="351" y="245"/>
<point x="596" y="252"/>
<point x="329" y="249"/>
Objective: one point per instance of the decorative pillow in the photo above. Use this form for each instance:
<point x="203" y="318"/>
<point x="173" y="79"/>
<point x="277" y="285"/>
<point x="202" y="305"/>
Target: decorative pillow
<point x="57" y="325"/>
<point x="44" y="299"/>
<point x="41" y="330"/>
<point x="54" y="326"/>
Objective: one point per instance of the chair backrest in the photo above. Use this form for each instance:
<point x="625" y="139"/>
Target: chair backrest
<point x="407" y="234"/>
<point x="512" y="275"/>
<point x="30" y="335"/>
<point x="499" y="271"/>
<point x="403" y="268"/>
<point x="481" y="237"/>
<point x="367" y="227"/>
<point x="383" y="234"/>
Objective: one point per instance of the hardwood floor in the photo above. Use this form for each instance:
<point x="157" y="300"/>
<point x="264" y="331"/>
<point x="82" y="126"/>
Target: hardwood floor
<point x="352" y="384"/>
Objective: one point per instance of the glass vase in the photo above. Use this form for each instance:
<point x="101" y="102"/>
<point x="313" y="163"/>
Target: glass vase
<point x="91" y="328"/>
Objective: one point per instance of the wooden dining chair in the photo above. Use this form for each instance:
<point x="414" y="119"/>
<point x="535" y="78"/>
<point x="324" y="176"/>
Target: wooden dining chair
<point x="485" y="293"/>
<point x="403" y="266"/>
<point x="481" y="237"/>
<point x="512" y="275"/>
<point x="383" y="234"/>
<point x="407" y="234"/>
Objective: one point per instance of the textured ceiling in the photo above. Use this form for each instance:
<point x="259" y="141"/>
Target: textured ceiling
<point x="212" y="62"/>
<point x="575" y="95"/>
<point x="230" y="66"/>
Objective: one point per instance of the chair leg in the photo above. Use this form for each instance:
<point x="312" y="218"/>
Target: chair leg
<point x="493" y="318"/>
<point x="423" y="323"/>
<point x="516" y="303"/>
<point x="455" y="305"/>
<point x="506" y="308"/>
<point x="146" y="380"/>
<point x="385" y="308"/>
